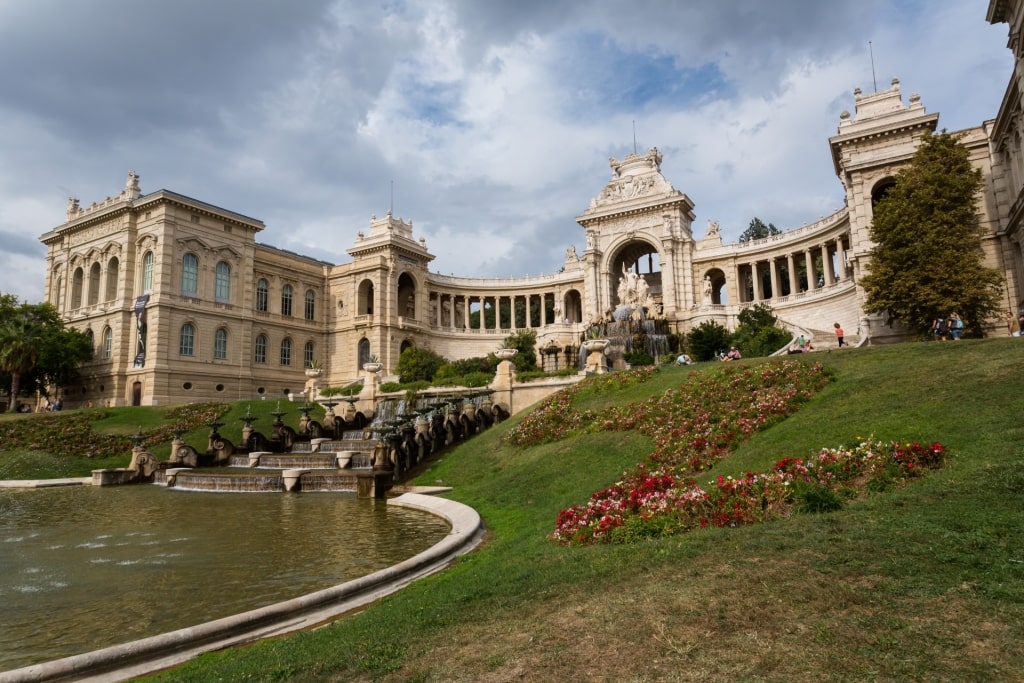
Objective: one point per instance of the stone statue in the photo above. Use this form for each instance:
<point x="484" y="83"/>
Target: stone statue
<point x="73" y="207"/>
<point x="570" y="253"/>
<point x="707" y="289"/>
<point x="642" y="291"/>
<point x="713" y="228"/>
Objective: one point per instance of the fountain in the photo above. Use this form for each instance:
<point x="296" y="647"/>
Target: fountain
<point x="634" y="330"/>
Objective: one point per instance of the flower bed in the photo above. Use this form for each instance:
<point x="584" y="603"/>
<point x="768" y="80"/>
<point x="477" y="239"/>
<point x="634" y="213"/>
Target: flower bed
<point x="657" y="503"/>
<point x="693" y="427"/>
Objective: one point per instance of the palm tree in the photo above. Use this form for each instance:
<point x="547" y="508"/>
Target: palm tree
<point x="19" y="349"/>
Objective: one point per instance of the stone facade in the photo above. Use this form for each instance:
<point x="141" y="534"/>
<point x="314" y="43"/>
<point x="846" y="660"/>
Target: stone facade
<point x="183" y="304"/>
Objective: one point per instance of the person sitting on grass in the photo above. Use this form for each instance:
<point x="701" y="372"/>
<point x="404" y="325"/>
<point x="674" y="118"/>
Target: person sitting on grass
<point x="684" y="360"/>
<point x="734" y="354"/>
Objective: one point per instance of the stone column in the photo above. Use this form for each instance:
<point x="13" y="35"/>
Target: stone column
<point x="826" y="265"/>
<point x="791" y="267"/>
<point x="773" y="273"/>
<point x="812" y="277"/>
<point x="756" y="279"/>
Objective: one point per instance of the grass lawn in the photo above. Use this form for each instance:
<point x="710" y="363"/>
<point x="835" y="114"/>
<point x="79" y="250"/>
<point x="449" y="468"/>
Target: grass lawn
<point x="920" y="583"/>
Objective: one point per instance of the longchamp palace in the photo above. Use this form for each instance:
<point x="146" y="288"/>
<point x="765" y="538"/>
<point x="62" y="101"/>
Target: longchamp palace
<point x="184" y="304"/>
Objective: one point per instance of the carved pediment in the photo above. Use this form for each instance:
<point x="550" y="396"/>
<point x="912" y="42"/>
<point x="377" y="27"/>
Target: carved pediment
<point x="634" y="177"/>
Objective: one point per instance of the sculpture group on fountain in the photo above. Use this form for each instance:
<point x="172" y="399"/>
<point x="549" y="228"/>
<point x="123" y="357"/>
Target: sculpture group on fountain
<point x="635" y="299"/>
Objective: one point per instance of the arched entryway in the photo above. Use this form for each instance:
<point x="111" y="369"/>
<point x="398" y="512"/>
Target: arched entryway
<point x="713" y="288"/>
<point x="635" y="275"/>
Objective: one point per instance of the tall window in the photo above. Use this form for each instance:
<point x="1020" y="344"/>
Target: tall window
<point x="147" y="272"/>
<point x="94" y="284"/>
<point x="310" y="304"/>
<point x="108" y="342"/>
<point x="307" y="355"/>
<point x="187" y="340"/>
<point x="261" y="349"/>
<point x="76" y="288"/>
<point x="286" y="352"/>
<point x="189" y="275"/>
<point x="222" y="291"/>
<point x="286" y="300"/>
<point x="113" y="266"/>
<point x="220" y="344"/>
<point x="262" y="295"/>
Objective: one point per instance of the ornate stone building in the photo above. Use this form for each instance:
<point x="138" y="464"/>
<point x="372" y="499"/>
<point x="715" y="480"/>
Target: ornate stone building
<point x="184" y="304"/>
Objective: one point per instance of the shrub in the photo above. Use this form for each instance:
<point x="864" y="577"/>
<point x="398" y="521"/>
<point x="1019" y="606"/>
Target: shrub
<point x="707" y="339"/>
<point x="417" y="364"/>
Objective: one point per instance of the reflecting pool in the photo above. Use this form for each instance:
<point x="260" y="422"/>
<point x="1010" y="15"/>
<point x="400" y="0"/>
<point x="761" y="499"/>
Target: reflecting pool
<point x="83" y="568"/>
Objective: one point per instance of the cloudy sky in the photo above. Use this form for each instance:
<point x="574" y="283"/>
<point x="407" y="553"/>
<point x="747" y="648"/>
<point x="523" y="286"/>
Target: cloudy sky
<point x="492" y="121"/>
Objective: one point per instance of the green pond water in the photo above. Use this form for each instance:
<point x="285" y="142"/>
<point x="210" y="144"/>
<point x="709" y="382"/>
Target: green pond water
<point x="83" y="568"/>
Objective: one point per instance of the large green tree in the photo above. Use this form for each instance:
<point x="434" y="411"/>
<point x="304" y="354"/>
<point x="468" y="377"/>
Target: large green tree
<point x="928" y="261"/>
<point x="36" y="347"/>
<point x="758" y="230"/>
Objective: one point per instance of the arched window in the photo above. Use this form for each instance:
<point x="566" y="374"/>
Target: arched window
<point x="286" y="300"/>
<point x="363" y="352"/>
<point x="94" y="284"/>
<point x="261" y="349"/>
<point x="92" y="346"/>
<point x="187" y="340"/>
<point x="220" y="344"/>
<point x="189" y="275"/>
<point x="262" y="295"/>
<point x="364" y="302"/>
<point x="147" y="272"/>
<point x="407" y="296"/>
<point x="113" y="266"/>
<point x="222" y="288"/>
<point x="76" y="288"/>
<point x="307" y="355"/>
<point x="108" y="342"/>
<point x="59" y="292"/>
<point x="286" y="351"/>
<point x="310" y="304"/>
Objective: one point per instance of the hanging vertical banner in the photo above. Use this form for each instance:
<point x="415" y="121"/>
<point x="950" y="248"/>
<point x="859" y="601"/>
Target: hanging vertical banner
<point x="140" y="319"/>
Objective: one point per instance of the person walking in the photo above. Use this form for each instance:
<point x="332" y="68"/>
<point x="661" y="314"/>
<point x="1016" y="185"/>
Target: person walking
<point x="839" y="334"/>
<point x="956" y="326"/>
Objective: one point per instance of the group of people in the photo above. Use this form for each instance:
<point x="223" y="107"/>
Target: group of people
<point x="733" y="354"/>
<point x="803" y="345"/>
<point x="946" y="328"/>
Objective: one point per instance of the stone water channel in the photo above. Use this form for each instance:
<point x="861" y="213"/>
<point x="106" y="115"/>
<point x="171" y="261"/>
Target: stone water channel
<point x="85" y="567"/>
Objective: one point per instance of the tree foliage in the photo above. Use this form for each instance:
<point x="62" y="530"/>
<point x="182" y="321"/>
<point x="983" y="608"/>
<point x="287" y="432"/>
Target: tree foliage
<point x="36" y="347"/>
<point x="757" y="334"/>
<point x="928" y="261"/>
<point x="707" y="339"/>
<point x="525" y="342"/>
<point x="416" y="364"/>
<point x="757" y="230"/>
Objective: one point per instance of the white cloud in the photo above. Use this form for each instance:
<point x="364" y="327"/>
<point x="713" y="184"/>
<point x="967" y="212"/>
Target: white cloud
<point x="493" y="121"/>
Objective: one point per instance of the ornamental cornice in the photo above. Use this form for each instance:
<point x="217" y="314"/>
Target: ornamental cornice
<point x="197" y="207"/>
<point x="610" y="213"/>
<point x="930" y="121"/>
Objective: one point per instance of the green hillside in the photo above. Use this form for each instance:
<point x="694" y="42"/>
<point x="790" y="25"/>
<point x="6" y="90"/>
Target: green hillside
<point x="922" y="581"/>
